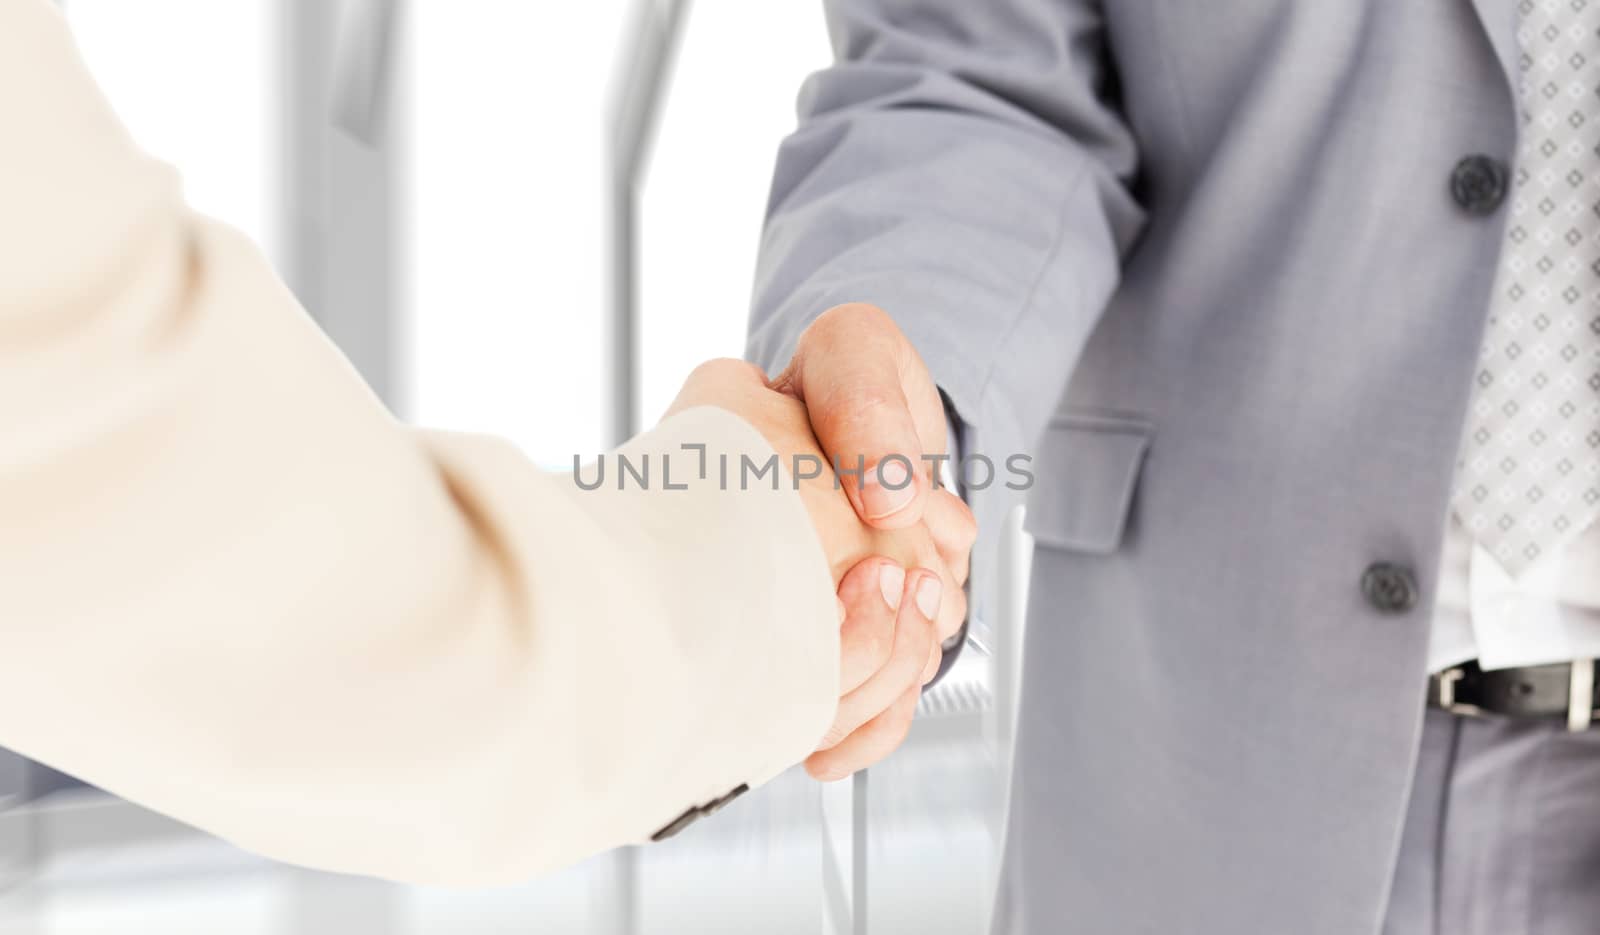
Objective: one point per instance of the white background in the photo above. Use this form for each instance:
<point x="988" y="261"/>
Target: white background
<point x="504" y="302"/>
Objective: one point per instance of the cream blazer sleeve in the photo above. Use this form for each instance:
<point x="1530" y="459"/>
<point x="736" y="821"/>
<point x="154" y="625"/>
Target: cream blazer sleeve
<point x="235" y="590"/>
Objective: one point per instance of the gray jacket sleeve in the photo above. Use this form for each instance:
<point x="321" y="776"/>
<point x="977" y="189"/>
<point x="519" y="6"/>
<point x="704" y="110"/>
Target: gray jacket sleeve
<point x="963" y="166"/>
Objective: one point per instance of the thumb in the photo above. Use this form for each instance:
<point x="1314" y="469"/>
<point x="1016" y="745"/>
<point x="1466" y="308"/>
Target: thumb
<point x="849" y="370"/>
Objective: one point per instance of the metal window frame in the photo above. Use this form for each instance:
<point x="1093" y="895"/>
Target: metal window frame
<point x="643" y="76"/>
<point x="344" y="104"/>
<point x="639" y="90"/>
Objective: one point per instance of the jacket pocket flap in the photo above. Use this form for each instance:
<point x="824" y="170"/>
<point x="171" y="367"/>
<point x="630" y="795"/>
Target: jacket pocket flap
<point x="1088" y="468"/>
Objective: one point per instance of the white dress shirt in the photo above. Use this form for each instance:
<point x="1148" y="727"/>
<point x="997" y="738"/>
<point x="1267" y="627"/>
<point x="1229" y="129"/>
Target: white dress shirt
<point x="1549" y="614"/>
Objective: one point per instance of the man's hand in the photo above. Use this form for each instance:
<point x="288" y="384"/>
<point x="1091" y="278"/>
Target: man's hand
<point x="857" y="395"/>
<point x="889" y="639"/>
<point x="890" y="651"/>
<point x="871" y="403"/>
<point x="869" y="399"/>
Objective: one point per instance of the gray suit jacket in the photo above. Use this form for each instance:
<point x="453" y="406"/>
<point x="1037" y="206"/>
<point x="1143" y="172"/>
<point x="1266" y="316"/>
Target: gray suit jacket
<point x="1203" y="258"/>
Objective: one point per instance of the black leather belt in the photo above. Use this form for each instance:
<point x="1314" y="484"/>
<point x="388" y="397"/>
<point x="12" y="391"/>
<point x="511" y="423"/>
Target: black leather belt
<point x="1563" y="691"/>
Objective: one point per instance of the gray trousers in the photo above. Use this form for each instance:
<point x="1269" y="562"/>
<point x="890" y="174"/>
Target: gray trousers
<point x="1502" y="836"/>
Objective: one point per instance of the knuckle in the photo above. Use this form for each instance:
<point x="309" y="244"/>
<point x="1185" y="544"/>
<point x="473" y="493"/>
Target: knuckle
<point x="955" y="566"/>
<point x="954" y="525"/>
<point x="966" y="526"/>
<point x="956" y="609"/>
<point x="877" y="645"/>
<point x="918" y="646"/>
<point x="868" y="409"/>
<point x="869" y="630"/>
<point x="824" y="768"/>
<point x="859" y="591"/>
<point x="952" y="615"/>
<point x="934" y="661"/>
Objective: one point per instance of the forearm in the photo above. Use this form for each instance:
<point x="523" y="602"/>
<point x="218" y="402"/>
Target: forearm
<point x="257" y="603"/>
<point x="973" y="183"/>
<point x="958" y="167"/>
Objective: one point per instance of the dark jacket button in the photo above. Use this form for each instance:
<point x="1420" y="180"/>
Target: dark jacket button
<point x="1478" y="184"/>
<point x="1389" y="588"/>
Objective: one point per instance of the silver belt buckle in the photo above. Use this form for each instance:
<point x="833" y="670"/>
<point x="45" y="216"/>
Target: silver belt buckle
<point x="1580" y="695"/>
<point x="1447" y="694"/>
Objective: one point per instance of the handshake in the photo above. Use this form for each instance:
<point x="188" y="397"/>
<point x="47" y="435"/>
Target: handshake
<point x="856" y="395"/>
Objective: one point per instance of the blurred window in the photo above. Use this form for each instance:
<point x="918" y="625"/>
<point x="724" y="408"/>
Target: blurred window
<point x="506" y="236"/>
<point x="730" y="103"/>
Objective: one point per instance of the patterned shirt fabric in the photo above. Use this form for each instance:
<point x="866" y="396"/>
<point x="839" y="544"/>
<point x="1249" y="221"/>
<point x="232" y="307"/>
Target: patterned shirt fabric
<point x="1529" y="475"/>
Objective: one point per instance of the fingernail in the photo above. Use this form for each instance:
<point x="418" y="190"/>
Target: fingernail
<point x="928" y="591"/>
<point x="892" y="582"/>
<point x="887" y="489"/>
